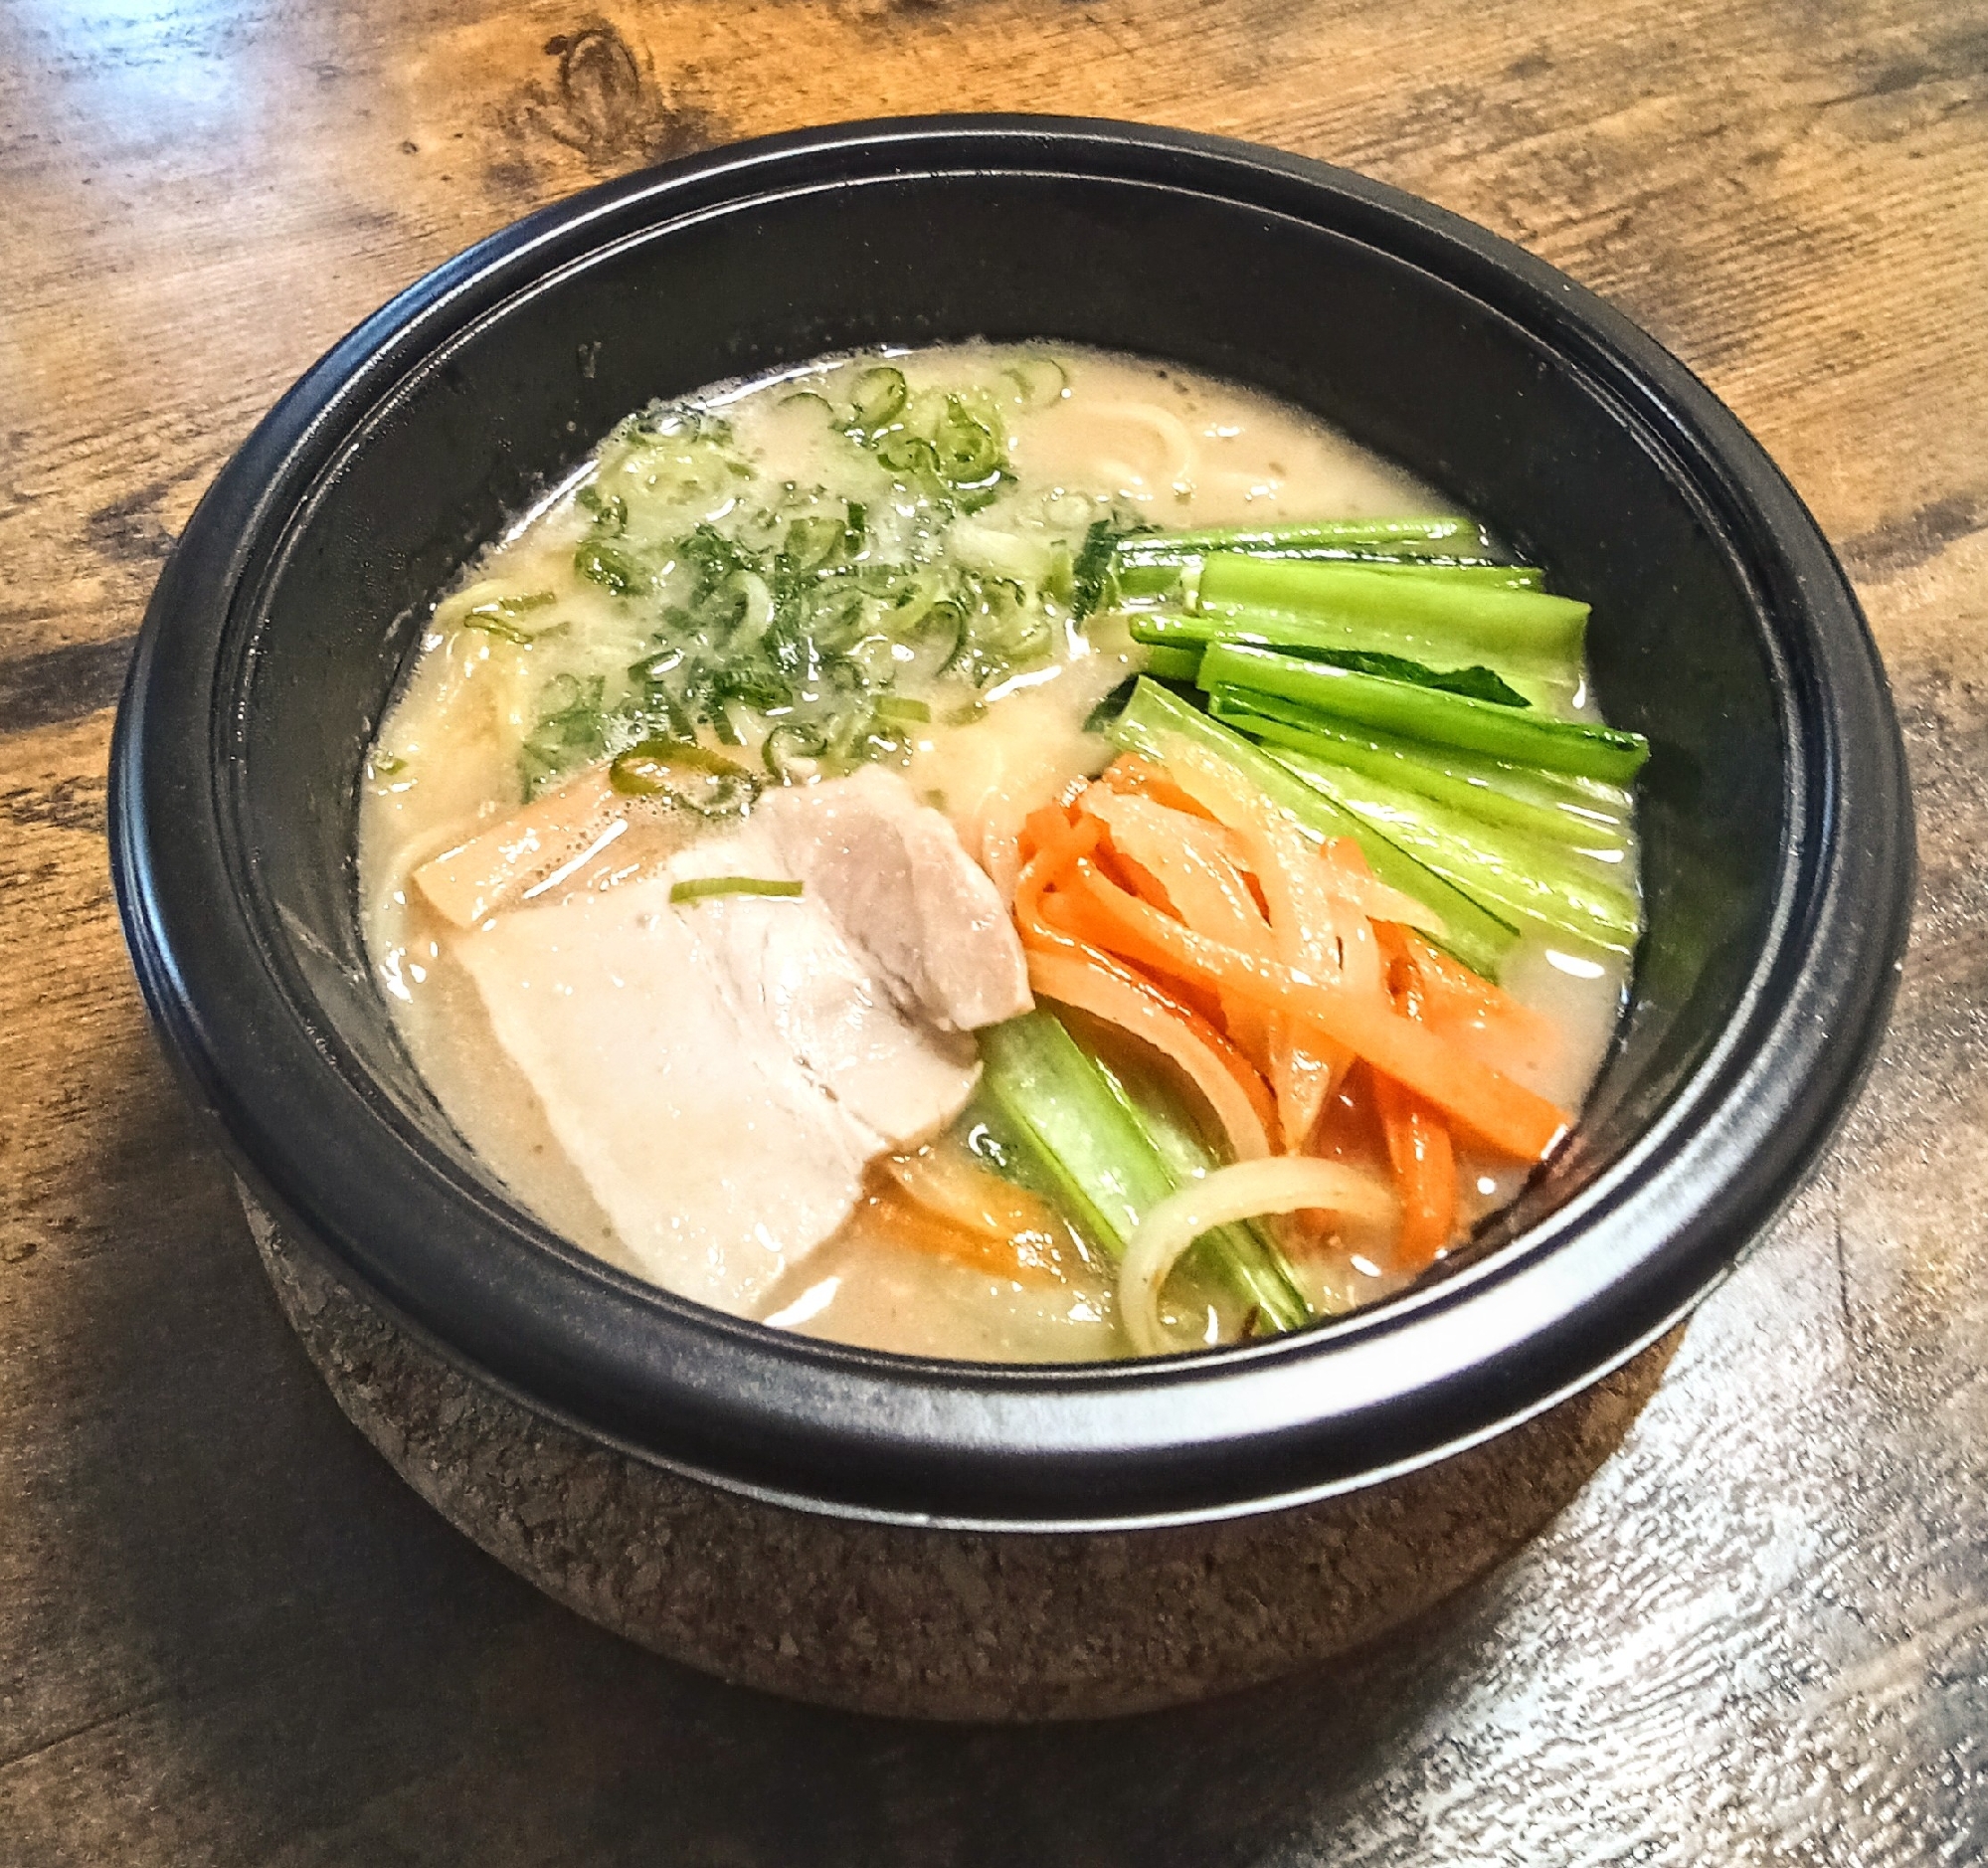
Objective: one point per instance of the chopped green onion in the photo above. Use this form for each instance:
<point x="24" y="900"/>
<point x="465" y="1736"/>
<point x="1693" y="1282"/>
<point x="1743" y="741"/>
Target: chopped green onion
<point x="691" y="776"/>
<point x="787" y="741"/>
<point x="702" y="887"/>
<point x="493" y="618"/>
<point x="967" y="449"/>
<point x="1039" y="379"/>
<point x="612" y="569"/>
<point x="879" y="393"/>
<point x="611" y="513"/>
<point x="902" y="707"/>
<point x="812" y="538"/>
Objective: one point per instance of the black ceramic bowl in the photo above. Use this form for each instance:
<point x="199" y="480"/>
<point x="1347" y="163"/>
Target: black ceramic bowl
<point x="1775" y="817"/>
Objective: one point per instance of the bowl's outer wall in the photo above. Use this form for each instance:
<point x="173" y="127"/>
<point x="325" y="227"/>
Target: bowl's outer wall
<point x="1777" y="836"/>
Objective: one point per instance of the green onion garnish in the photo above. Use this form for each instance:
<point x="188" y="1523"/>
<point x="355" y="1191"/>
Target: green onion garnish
<point x="902" y="707"/>
<point x="697" y="887"/>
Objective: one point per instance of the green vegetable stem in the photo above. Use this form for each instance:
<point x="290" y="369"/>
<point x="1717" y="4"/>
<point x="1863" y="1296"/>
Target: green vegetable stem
<point x="1107" y="1167"/>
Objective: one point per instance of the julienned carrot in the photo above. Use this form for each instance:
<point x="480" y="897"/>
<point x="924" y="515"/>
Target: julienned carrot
<point x="1077" y="918"/>
<point x="1440" y="973"/>
<point x="944" y="1180"/>
<point x="1497" y="1111"/>
<point x="1238" y="1096"/>
<point x="1026" y="1257"/>
<point x="1192" y="862"/>
<point x="1311" y="928"/>
<point x="1352" y="878"/>
<point x="1422" y="1157"/>
<point x="1046" y="825"/>
<point x="1458" y="1003"/>
<point x="1134" y="876"/>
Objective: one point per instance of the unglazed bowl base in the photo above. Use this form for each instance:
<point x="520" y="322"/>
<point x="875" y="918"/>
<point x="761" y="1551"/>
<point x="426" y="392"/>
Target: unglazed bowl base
<point x="935" y="1624"/>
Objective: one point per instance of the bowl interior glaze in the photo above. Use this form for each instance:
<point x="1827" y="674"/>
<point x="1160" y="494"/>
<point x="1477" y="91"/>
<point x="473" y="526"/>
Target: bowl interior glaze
<point x="1776" y="833"/>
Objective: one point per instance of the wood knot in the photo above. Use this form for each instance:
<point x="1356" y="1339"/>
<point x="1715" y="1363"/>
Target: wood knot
<point x="604" y="105"/>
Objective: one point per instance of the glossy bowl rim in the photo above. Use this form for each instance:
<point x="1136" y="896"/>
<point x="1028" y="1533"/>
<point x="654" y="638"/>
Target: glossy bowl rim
<point x="848" y="1431"/>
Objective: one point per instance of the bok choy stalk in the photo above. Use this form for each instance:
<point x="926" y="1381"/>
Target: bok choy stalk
<point x="1109" y="1167"/>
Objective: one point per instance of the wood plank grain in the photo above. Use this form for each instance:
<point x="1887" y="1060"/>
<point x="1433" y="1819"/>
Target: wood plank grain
<point x="1795" y="182"/>
<point x="227" y="1635"/>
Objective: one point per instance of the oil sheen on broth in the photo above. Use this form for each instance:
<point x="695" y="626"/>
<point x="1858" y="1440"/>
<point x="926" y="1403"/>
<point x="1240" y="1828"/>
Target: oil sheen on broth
<point x="517" y="679"/>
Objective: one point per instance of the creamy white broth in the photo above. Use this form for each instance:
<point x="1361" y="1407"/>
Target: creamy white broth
<point x="1116" y="435"/>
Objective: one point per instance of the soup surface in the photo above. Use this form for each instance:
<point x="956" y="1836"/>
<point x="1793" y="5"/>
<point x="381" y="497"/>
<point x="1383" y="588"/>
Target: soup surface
<point x="689" y="845"/>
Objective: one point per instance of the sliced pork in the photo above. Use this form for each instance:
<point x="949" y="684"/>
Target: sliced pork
<point x="721" y="1069"/>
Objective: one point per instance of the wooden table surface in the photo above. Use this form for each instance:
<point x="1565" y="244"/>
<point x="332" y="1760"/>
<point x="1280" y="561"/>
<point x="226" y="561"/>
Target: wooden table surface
<point x="228" y="1634"/>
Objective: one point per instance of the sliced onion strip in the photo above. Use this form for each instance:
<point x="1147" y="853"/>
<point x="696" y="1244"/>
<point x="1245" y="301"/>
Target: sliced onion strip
<point x="1281" y="1184"/>
<point x="1073" y="982"/>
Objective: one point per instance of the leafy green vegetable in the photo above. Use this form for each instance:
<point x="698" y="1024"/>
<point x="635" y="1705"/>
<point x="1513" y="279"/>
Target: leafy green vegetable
<point x="1445" y="536"/>
<point x="1571" y="813"/>
<point x="1173" y="665"/>
<point x="1478" y="682"/>
<point x="1090" y="573"/>
<point x="1465" y="618"/>
<point x="1516" y="873"/>
<point x="1251" y="1249"/>
<point x="1108" y="1171"/>
<point x="1100" y="717"/>
<point x="1416" y="712"/>
<point x="1476" y="934"/>
<point x="1171" y="659"/>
